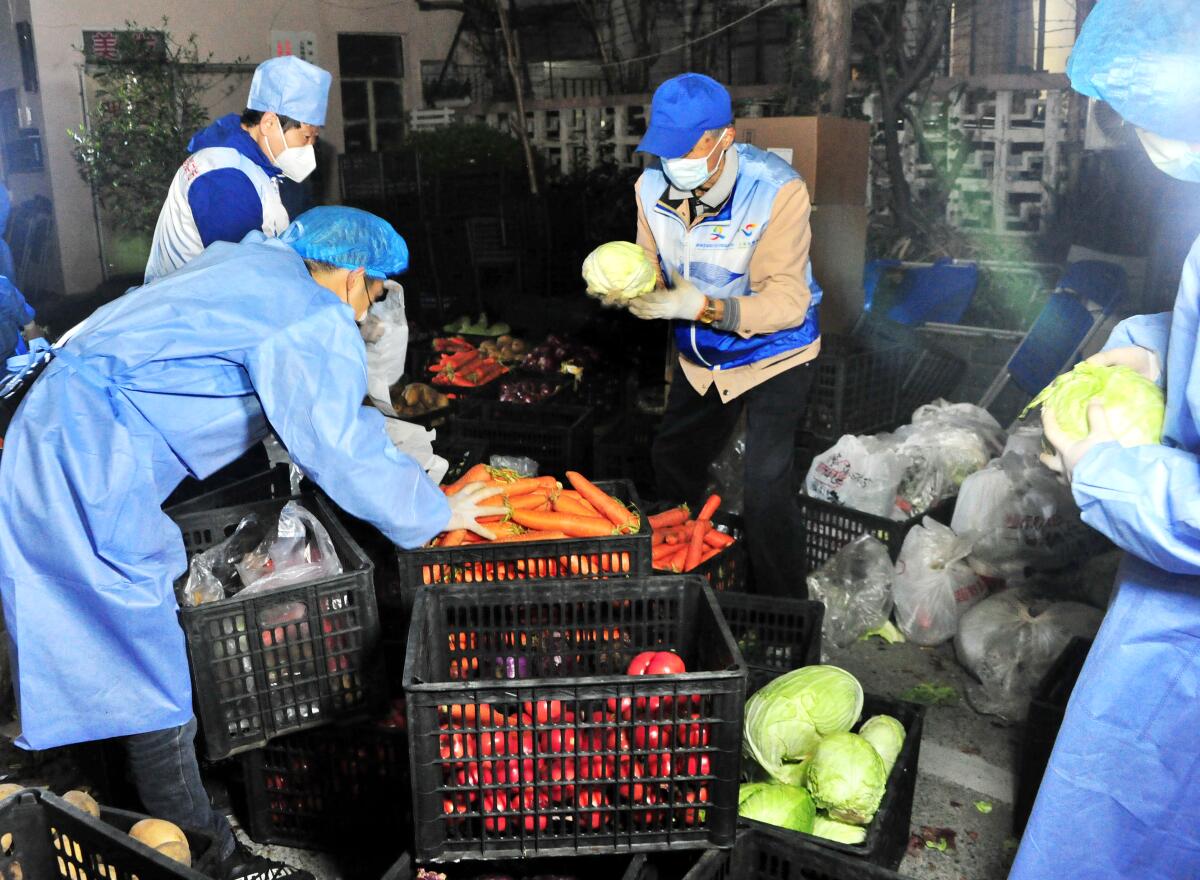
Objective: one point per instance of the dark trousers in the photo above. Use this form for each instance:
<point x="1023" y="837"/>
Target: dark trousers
<point x="167" y="775"/>
<point x="694" y="431"/>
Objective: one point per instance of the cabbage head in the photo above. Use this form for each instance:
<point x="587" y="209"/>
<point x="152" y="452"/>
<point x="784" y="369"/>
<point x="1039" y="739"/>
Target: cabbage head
<point x="842" y="832"/>
<point x="1135" y="405"/>
<point x="786" y="719"/>
<point x="847" y="778"/>
<point x="886" y="734"/>
<point x="619" y="266"/>
<point x="787" y="806"/>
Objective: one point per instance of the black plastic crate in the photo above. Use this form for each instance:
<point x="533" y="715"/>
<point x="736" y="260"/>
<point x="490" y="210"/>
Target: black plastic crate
<point x="829" y="527"/>
<point x="888" y="833"/>
<point x="769" y="855"/>
<point x="291" y="659"/>
<point x="856" y="388"/>
<point x="580" y="868"/>
<point x="272" y="482"/>
<point x="203" y="845"/>
<point x="558" y="438"/>
<point x="729" y="570"/>
<point x="340" y="788"/>
<point x="50" y="838"/>
<point x="461" y="455"/>
<point x="603" y="762"/>
<point x="1046" y="711"/>
<point x="775" y="635"/>
<point x="564" y="559"/>
<point x="623" y="450"/>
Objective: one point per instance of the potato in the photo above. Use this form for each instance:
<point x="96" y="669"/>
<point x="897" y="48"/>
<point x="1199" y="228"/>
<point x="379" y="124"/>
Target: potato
<point x="165" y="837"/>
<point x="83" y="801"/>
<point x="412" y="394"/>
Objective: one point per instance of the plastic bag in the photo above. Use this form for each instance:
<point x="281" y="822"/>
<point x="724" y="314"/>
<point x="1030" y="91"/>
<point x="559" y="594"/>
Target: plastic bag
<point x="963" y="416"/>
<point x="387" y="327"/>
<point x="524" y="466"/>
<point x="417" y="443"/>
<point x="1021" y="518"/>
<point x="296" y="551"/>
<point x="933" y="584"/>
<point x="727" y="474"/>
<point x="1026" y="440"/>
<point x="855" y="585"/>
<point x="861" y="473"/>
<point x="1009" y="641"/>
<point x="212" y="574"/>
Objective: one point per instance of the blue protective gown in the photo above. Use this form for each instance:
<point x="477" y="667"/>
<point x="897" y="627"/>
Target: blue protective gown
<point x="1121" y="796"/>
<point x="179" y="377"/>
<point x="15" y="313"/>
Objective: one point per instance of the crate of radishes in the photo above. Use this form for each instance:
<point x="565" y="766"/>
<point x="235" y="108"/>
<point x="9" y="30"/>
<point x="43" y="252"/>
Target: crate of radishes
<point x="581" y="717"/>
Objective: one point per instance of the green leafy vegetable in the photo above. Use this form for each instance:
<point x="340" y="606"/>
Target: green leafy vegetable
<point x="842" y="832"/>
<point x="889" y="632"/>
<point x="787" y="806"/>
<point x="928" y="694"/>
<point x="886" y="734"/>
<point x="847" y="778"/>
<point x="984" y="807"/>
<point x="1134" y="405"/>
<point x="786" y="719"/>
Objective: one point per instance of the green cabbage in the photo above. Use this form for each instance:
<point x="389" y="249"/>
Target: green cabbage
<point x="786" y="719"/>
<point x="1135" y="405"/>
<point x="886" y="734"/>
<point x="847" y="778"/>
<point x="787" y="806"/>
<point x="619" y="266"/>
<point x="842" y="832"/>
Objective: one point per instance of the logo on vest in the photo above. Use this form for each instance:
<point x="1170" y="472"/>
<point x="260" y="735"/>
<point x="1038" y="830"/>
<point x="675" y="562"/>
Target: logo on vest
<point x="748" y="229"/>
<point x="718" y="234"/>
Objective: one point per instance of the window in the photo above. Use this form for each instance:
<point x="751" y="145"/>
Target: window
<point x="372" y="83"/>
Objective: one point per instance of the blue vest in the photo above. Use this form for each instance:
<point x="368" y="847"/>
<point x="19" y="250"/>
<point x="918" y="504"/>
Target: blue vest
<point x="715" y="256"/>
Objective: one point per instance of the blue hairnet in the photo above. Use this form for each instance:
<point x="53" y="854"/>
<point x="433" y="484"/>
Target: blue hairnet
<point x="349" y="238"/>
<point x="290" y="86"/>
<point x="1143" y="58"/>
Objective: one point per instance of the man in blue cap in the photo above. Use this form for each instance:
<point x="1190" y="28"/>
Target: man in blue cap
<point x="229" y="184"/>
<point x="728" y="226"/>
<point x="179" y="378"/>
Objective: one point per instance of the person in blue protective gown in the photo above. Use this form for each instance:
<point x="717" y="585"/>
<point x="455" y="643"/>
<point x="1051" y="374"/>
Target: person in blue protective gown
<point x="15" y="316"/>
<point x="229" y="184"/>
<point x="178" y="378"/>
<point x="1121" y="795"/>
<point x="7" y="269"/>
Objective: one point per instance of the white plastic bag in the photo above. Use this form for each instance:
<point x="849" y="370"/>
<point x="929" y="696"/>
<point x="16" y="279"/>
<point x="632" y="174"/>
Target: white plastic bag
<point x="933" y="584"/>
<point x="385" y="333"/>
<point x="212" y="573"/>
<point x="297" y="550"/>
<point x="1021" y="518"/>
<point x="855" y="585"/>
<point x="417" y="443"/>
<point x="965" y="416"/>
<point x="1009" y="641"/>
<point x="1026" y="440"/>
<point x="861" y="473"/>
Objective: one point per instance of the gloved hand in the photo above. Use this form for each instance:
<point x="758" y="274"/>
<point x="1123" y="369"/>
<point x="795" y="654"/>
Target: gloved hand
<point x="1141" y="360"/>
<point x="465" y="508"/>
<point x="1067" y="452"/>
<point x="610" y="299"/>
<point x="683" y="301"/>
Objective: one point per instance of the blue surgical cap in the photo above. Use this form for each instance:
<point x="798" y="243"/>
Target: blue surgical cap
<point x="1143" y="58"/>
<point x="291" y="87"/>
<point x="348" y="237"/>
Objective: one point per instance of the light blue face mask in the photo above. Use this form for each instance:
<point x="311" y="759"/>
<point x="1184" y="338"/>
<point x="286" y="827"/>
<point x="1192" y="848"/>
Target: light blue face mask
<point x="1172" y="157"/>
<point x="687" y="174"/>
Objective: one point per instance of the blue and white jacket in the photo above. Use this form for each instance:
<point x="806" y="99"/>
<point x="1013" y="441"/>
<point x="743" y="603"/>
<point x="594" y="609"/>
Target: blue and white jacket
<point x="226" y="188"/>
<point x="715" y="255"/>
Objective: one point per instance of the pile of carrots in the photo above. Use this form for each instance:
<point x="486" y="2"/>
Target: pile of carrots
<point x="541" y="509"/>
<point x="682" y="543"/>
<point x="461" y="365"/>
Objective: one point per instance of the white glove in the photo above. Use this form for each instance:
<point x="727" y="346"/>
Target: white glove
<point x="465" y="508"/>
<point x="683" y="301"/>
<point x="1067" y="452"/>
<point x="1142" y="361"/>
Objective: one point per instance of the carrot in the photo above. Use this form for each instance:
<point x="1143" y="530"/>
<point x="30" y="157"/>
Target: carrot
<point x="675" y="561"/>
<point x="507" y="529"/>
<point x="696" y="546"/>
<point x="709" y="553"/>
<point x="571" y="493"/>
<point x="658" y="539"/>
<point x="477" y="474"/>
<point x="719" y="540"/>
<point x="663" y="552"/>
<point x="527" y="485"/>
<point x="676" y="516"/>
<point x="454" y="538"/>
<point x="566" y="504"/>
<point x="570" y="524"/>
<point x="709" y="508"/>
<point x="609" y="507"/>
<point x="532" y="536"/>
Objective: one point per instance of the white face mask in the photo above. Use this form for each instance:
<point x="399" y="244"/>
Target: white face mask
<point x="1179" y="159"/>
<point x="296" y="163"/>
<point x="687" y="173"/>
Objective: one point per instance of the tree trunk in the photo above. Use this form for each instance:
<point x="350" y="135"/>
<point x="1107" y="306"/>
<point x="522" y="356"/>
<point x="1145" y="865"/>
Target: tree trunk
<point x="831" y="50"/>
<point x="900" y="195"/>
<point x="514" y="72"/>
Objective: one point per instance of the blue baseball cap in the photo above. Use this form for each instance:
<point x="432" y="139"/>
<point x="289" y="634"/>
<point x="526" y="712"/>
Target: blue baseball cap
<point x="292" y="87"/>
<point x="684" y="107"/>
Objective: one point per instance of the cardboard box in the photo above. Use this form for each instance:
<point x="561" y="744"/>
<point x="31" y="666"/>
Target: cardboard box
<point x="838" y="253"/>
<point x="829" y="152"/>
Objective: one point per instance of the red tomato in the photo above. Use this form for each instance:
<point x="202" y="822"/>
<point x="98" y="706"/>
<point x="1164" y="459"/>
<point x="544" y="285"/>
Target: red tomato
<point x="656" y="663"/>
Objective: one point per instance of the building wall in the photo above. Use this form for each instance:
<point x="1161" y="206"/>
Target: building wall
<point x="231" y="29"/>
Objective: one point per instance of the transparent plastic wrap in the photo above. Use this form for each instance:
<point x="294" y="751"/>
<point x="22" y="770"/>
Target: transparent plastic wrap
<point x="966" y="417"/>
<point x="298" y="550"/>
<point x="1026" y="439"/>
<point x="385" y="333"/>
<point x="212" y="574"/>
<point x="726" y="475"/>
<point x="1021" y="518"/>
<point x="862" y="473"/>
<point x="855" y="585"/>
<point x="1009" y="641"/>
<point x="933" y="584"/>
<point x="524" y="466"/>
